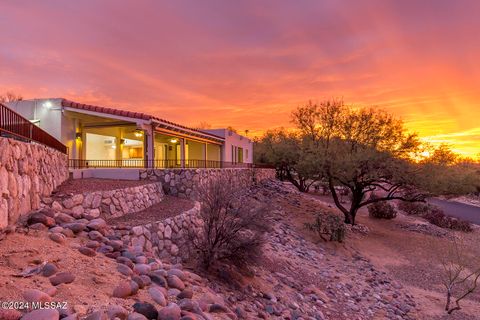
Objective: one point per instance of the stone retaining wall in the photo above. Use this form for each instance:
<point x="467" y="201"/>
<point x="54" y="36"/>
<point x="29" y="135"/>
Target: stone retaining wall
<point x="167" y="239"/>
<point x="183" y="182"/>
<point x="112" y="203"/>
<point x="28" y="171"/>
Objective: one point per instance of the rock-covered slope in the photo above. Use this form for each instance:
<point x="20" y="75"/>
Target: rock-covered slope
<point x="83" y="262"/>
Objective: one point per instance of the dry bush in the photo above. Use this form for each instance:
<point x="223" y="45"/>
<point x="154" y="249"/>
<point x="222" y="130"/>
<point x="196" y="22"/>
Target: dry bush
<point x="436" y="216"/>
<point x="461" y="273"/>
<point x="233" y="225"/>
<point x="328" y="227"/>
<point x="414" y="208"/>
<point x="382" y="210"/>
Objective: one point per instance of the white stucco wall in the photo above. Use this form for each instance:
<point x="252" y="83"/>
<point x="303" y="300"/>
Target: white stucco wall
<point x="236" y="141"/>
<point x="51" y="119"/>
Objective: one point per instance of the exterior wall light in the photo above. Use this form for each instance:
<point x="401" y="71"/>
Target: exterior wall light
<point x="48" y="104"/>
<point x="78" y="136"/>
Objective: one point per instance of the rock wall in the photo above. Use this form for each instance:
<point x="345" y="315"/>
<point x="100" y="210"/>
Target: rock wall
<point x="167" y="239"/>
<point x="183" y="182"/>
<point x="111" y="203"/>
<point x="28" y="171"/>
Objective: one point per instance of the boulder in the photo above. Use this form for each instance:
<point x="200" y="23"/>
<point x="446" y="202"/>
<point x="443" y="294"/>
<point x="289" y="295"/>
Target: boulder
<point x="34" y="295"/>
<point x="116" y="311"/>
<point x="87" y="251"/>
<point x="170" y="312"/>
<point x="57" y="237"/>
<point x="62" y="277"/>
<point x="42" y="314"/>
<point x="157" y="295"/>
<point x="146" y="309"/>
<point x="175" y="282"/>
<point x="49" y="270"/>
<point x="97" y="315"/>
<point x="125" y="289"/>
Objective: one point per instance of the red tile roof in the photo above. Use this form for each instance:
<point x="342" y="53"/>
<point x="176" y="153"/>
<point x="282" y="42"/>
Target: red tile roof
<point x="133" y="115"/>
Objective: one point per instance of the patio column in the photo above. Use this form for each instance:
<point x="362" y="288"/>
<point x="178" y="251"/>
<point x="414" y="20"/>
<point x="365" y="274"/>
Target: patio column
<point x="204" y="149"/>
<point x="182" y="152"/>
<point x="148" y="143"/>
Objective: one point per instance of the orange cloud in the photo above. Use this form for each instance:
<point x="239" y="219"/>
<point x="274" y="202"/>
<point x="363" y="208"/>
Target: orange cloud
<point x="248" y="64"/>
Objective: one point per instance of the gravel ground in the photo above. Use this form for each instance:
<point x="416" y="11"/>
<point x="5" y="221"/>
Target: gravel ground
<point x="169" y="207"/>
<point x="92" y="184"/>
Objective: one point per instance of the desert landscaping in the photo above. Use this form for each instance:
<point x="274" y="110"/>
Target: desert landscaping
<point x="383" y="269"/>
<point x="239" y="160"/>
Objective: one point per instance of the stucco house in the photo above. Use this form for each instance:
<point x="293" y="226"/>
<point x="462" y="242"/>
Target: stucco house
<point x="101" y="137"/>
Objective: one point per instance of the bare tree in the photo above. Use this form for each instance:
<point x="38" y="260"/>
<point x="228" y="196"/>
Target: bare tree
<point x="233" y="225"/>
<point x="10" y="96"/>
<point x="461" y="273"/>
<point x="204" y="125"/>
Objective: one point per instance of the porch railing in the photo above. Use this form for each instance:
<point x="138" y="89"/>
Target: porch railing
<point x="13" y="125"/>
<point x="154" y="164"/>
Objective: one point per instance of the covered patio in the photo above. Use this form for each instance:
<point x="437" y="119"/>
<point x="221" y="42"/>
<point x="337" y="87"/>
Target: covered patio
<point x="108" y="138"/>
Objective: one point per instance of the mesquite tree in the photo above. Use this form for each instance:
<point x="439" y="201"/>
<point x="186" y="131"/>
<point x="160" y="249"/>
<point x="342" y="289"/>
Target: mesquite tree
<point x="361" y="149"/>
<point x="292" y="156"/>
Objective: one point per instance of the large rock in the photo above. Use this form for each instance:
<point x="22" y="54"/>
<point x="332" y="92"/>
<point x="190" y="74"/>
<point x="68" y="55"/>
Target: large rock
<point x="115" y="311"/>
<point x="170" y="312"/>
<point x="97" y="224"/>
<point x="125" y="289"/>
<point x="57" y="237"/>
<point x="157" y="295"/>
<point x="97" y="315"/>
<point x="136" y="316"/>
<point x="124" y="269"/>
<point x="34" y="295"/>
<point x="62" y="277"/>
<point x="147" y="309"/>
<point x="87" y="251"/>
<point x="42" y="314"/>
<point x="39" y="217"/>
<point x="49" y="270"/>
<point x="175" y="282"/>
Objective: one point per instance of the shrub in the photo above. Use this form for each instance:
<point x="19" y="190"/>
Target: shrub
<point x="437" y="217"/>
<point x="382" y="210"/>
<point x="328" y="227"/>
<point x="414" y="208"/>
<point x="233" y="226"/>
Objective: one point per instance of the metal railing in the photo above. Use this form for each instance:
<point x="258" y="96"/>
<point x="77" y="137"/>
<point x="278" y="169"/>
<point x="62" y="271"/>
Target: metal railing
<point x="154" y="164"/>
<point x="13" y="125"/>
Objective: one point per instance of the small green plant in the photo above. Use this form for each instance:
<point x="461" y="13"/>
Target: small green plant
<point x="328" y="227"/>
<point x="382" y="210"/>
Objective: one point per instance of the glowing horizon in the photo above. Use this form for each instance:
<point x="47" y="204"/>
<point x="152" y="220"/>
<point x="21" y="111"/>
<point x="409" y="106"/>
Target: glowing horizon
<point x="249" y="64"/>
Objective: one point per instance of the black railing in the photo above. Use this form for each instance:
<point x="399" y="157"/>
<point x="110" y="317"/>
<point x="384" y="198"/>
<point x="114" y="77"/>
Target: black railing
<point x="13" y="125"/>
<point x="155" y="164"/>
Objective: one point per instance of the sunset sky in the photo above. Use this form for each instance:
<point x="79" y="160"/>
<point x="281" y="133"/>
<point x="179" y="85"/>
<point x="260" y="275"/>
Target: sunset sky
<point x="249" y="63"/>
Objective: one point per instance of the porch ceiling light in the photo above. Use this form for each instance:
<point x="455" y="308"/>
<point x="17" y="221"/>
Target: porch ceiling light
<point x="138" y="133"/>
<point x="173" y="140"/>
<point x="48" y="104"/>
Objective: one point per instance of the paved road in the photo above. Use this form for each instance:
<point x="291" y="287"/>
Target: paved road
<point x="459" y="210"/>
